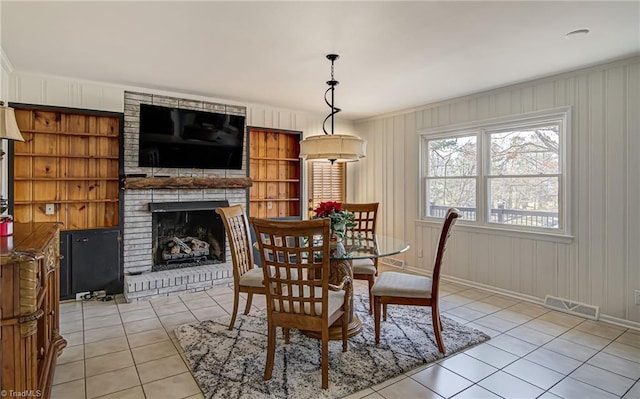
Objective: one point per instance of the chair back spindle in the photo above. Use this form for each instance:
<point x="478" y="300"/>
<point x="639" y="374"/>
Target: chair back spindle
<point x="447" y="225"/>
<point x="366" y="215"/>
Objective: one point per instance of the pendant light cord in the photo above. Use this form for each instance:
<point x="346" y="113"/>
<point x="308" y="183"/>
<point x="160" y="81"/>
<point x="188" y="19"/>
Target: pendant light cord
<point x="332" y="86"/>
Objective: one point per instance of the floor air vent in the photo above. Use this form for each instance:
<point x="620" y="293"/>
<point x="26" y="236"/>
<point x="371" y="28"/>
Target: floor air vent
<point x="393" y="262"/>
<point x="574" y="308"/>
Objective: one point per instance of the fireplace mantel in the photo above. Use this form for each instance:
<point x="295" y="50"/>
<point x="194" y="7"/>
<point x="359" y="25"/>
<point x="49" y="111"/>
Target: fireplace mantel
<point x="141" y="183"/>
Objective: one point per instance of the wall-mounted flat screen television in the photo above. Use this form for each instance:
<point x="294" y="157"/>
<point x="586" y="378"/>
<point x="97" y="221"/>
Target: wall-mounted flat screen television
<point x="184" y="138"/>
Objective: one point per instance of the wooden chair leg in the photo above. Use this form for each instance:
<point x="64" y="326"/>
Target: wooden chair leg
<point x="345" y="331"/>
<point x="287" y="336"/>
<point x="371" y="280"/>
<point x="247" y="307"/>
<point x="236" y="299"/>
<point x="325" y="358"/>
<point x="384" y="312"/>
<point x="271" y="350"/>
<point x="376" y="317"/>
<point x="437" y="328"/>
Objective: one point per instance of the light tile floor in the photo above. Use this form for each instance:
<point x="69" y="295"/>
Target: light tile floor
<point x="129" y="351"/>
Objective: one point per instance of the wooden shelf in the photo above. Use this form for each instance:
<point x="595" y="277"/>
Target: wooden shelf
<point x="275" y="200"/>
<point x="277" y="180"/>
<point x="276" y="159"/>
<point x="69" y="133"/>
<point x="75" y="201"/>
<point x="54" y="178"/>
<point x="22" y="154"/>
<point x="185" y="182"/>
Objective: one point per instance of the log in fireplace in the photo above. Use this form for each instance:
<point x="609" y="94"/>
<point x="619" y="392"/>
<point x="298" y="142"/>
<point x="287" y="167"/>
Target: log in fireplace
<point x="186" y="234"/>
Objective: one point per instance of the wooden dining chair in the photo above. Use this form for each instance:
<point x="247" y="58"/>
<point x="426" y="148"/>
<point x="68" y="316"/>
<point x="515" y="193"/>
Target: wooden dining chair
<point x="408" y="289"/>
<point x="295" y="264"/>
<point x="366" y="215"/>
<point x="247" y="277"/>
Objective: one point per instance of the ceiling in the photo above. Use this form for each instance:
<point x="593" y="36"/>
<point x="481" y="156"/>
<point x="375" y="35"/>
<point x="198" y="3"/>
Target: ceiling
<point x="393" y="55"/>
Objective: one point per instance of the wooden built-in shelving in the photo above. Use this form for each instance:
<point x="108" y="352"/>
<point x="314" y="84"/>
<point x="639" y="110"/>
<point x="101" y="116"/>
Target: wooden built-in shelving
<point x="71" y="159"/>
<point x="275" y="169"/>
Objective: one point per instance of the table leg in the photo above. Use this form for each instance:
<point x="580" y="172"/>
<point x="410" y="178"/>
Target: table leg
<point x="339" y="269"/>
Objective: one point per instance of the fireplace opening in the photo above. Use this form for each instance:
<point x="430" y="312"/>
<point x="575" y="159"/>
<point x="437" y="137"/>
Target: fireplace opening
<point x="187" y="234"/>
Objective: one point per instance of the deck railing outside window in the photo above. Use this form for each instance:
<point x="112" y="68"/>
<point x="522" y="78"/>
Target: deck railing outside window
<point x="504" y="216"/>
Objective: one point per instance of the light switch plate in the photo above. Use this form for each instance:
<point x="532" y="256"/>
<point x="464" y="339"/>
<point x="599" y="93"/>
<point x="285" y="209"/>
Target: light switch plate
<point x="49" y="209"/>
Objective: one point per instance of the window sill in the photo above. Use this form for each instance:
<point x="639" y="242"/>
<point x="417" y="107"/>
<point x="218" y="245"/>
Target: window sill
<point x="530" y="235"/>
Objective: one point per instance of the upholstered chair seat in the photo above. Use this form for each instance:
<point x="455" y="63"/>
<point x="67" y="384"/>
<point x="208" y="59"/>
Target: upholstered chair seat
<point x="364" y="266"/>
<point x="402" y="285"/>
<point x="252" y="278"/>
<point x="336" y="300"/>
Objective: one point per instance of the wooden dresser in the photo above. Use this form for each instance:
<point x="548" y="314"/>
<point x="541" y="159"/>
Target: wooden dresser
<point x="29" y="304"/>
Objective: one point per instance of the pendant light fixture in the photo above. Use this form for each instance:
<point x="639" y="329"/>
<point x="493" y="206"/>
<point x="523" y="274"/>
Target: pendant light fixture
<point x="330" y="146"/>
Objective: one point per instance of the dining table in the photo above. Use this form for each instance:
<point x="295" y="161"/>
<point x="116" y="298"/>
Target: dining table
<point x="356" y="246"/>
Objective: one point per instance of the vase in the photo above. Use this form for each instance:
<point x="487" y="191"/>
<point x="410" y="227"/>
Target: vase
<point x="336" y="246"/>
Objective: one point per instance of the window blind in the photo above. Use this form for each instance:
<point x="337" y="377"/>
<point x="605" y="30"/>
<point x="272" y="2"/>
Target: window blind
<point x="327" y="182"/>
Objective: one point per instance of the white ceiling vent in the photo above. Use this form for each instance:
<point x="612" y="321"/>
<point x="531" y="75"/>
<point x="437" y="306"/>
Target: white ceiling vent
<point x="574" y="308"/>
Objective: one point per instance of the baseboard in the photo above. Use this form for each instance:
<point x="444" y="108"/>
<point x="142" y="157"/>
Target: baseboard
<point x="522" y="297"/>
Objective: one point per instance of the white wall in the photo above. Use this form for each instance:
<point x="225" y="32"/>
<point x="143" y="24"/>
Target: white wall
<point x="601" y="265"/>
<point x="5" y="69"/>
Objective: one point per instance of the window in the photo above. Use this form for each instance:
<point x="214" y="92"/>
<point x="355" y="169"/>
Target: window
<point x="327" y="182"/>
<point x="452" y="175"/>
<point x="508" y="174"/>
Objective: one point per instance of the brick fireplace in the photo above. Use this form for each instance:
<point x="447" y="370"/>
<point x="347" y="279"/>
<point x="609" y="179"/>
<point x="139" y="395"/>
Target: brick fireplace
<point x="147" y="189"/>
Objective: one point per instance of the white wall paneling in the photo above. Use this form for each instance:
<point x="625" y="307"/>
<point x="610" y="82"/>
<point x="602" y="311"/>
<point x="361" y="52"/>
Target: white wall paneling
<point x="601" y="264"/>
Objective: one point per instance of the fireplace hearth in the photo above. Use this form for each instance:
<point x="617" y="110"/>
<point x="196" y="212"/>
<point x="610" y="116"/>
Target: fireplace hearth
<point x="187" y="234"/>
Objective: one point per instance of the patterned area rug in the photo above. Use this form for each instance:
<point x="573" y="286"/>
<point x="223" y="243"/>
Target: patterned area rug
<point x="230" y="364"/>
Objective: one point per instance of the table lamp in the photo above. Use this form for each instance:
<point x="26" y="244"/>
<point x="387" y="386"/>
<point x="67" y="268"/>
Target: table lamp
<point x="8" y="130"/>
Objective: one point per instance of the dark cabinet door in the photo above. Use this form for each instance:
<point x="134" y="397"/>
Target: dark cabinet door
<point x="95" y="261"/>
<point x="65" y="266"/>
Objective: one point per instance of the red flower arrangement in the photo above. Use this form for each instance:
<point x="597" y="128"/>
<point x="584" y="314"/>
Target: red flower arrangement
<point x="341" y="220"/>
<point x="325" y="209"/>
